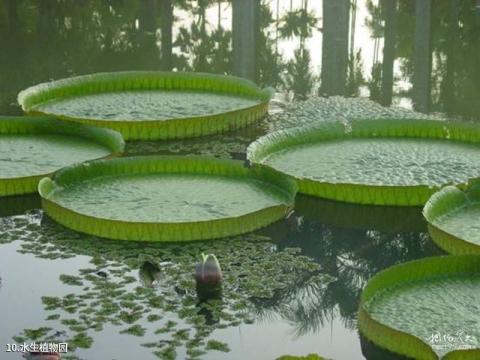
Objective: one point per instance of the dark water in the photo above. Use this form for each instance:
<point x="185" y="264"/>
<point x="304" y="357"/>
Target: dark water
<point x="365" y="50"/>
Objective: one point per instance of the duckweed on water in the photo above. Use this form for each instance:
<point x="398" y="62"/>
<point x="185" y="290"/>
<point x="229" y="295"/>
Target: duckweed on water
<point x="172" y="307"/>
<point x="119" y="263"/>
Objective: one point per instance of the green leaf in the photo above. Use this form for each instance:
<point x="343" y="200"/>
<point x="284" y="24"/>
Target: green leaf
<point x="33" y="99"/>
<point x="250" y="199"/>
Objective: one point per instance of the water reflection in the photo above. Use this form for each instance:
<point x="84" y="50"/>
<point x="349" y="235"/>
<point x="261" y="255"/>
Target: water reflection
<point x="369" y="47"/>
<point x="53" y="39"/>
<point x="16" y="205"/>
<point x="372" y="352"/>
<point x="308" y="297"/>
<point x="346" y="240"/>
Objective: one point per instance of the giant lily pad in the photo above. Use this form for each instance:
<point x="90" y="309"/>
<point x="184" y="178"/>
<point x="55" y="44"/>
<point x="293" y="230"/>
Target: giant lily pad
<point x="32" y="148"/>
<point x="454" y="219"/>
<point x="425" y="309"/>
<point x="380" y="162"/>
<point x="166" y="198"/>
<point x="151" y="105"/>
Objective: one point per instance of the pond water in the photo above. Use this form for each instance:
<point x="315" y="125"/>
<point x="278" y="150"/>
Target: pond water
<point x="292" y="288"/>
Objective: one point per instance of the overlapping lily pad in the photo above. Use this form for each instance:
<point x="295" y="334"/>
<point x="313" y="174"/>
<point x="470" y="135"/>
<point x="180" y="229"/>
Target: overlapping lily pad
<point x="166" y="198"/>
<point x="454" y="219"/>
<point x="425" y="309"/>
<point x="151" y="105"/>
<point x="32" y="148"/>
<point x="380" y="162"/>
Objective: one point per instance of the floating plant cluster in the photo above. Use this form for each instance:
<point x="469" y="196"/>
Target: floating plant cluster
<point x="346" y="150"/>
<point x="137" y="287"/>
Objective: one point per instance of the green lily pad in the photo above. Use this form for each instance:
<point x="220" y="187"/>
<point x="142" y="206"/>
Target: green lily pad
<point x="32" y="148"/>
<point x="454" y="219"/>
<point x="166" y="198"/>
<point x="151" y="105"/>
<point x="425" y="309"/>
<point x="380" y="162"/>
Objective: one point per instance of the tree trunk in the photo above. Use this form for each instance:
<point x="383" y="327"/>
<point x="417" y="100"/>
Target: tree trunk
<point x="389" y="51"/>
<point x="243" y="37"/>
<point x="449" y="83"/>
<point x="336" y="15"/>
<point x="45" y="22"/>
<point x="422" y="60"/>
<point x="146" y="16"/>
<point x="148" y="54"/>
<point x="166" y="18"/>
<point x="219" y="10"/>
<point x="353" y="27"/>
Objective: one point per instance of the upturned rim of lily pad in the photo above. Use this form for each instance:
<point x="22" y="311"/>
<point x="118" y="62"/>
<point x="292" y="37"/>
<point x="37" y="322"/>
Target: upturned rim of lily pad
<point x="155" y="129"/>
<point x="165" y="231"/>
<point x="445" y="202"/>
<point x="413" y="195"/>
<point x="23" y="125"/>
<point x="401" y="342"/>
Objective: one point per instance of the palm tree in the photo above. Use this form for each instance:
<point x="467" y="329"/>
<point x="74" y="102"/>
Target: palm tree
<point x="269" y="65"/>
<point x="374" y="23"/>
<point x="166" y="24"/>
<point x="299" y="23"/>
<point x="449" y="83"/>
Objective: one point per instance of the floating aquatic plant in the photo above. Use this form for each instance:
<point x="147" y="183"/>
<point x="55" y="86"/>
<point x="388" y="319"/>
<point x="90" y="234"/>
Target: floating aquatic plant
<point x="378" y="162"/>
<point x="34" y="147"/>
<point x="410" y="309"/>
<point x="165" y="311"/>
<point x="453" y="217"/>
<point x="166" y="198"/>
<point x="145" y="105"/>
